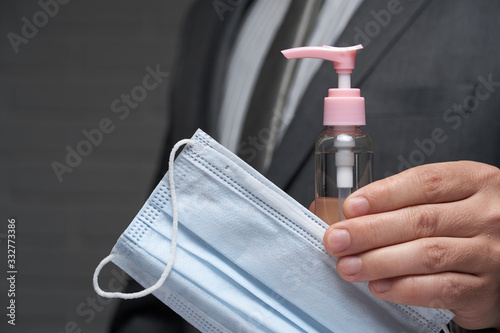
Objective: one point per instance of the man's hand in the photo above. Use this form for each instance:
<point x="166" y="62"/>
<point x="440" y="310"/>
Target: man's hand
<point x="429" y="236"/>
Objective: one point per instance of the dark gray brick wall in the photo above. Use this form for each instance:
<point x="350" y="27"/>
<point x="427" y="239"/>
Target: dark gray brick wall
<point x="62" y="81"/>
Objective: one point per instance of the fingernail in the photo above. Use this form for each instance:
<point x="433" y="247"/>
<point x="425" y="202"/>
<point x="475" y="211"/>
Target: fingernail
<point x="381" y="286"/>
<point x="350" y="265"/>
<point x="339" y="240"/>
<point x="357" y="206"/>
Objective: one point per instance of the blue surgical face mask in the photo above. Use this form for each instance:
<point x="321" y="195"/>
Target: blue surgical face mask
<point x="248" y="258"/>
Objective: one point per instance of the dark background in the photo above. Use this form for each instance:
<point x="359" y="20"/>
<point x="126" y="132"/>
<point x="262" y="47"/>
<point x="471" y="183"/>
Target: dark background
<point x="61" y="82"/>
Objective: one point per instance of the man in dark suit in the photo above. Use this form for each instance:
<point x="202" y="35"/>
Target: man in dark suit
<point x="430" y="76"/>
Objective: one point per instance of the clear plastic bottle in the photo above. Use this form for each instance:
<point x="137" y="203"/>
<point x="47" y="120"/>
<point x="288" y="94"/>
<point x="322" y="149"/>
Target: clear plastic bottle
<point x="328" y="194"/>
<point x="344" y="153"/>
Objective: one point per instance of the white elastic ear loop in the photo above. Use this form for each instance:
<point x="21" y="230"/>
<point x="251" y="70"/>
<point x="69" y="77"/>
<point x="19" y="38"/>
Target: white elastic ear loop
<point x="173" y="246"/>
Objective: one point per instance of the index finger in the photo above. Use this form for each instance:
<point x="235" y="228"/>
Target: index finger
<point x="431" y="183"/>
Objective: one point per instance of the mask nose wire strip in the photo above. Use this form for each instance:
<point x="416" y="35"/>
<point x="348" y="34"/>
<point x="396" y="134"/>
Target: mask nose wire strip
<point x="173" y="248"/>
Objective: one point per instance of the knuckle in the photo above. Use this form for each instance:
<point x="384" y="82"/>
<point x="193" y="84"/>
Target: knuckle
<point x="425" y="221"/>
<point x="435" y="256"/>
<point x="450" y="289"/>
<point x="432" y="182"/>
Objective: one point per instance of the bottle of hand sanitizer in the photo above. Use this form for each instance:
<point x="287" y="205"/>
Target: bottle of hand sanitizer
<point x="344" y="152"/>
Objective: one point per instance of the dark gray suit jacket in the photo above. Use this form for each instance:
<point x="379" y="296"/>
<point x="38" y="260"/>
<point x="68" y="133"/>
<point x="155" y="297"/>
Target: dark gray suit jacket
<point x="429" y="72"/>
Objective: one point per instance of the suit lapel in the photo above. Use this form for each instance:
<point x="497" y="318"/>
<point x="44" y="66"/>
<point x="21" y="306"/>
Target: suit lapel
<point x="197" y="81"/>
<point x="298" y="143"/>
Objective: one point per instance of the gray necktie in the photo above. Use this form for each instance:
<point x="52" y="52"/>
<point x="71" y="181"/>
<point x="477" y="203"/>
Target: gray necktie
<point x="265" y="111"/>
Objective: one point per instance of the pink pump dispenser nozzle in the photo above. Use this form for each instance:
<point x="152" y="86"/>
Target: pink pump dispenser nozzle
<point x="343" y="106"/>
